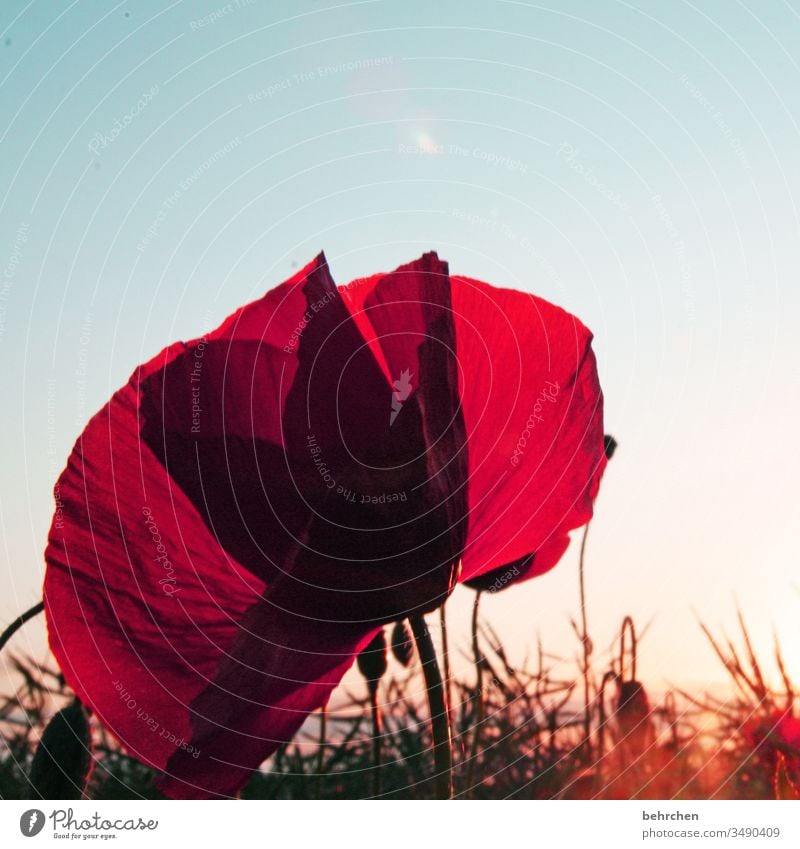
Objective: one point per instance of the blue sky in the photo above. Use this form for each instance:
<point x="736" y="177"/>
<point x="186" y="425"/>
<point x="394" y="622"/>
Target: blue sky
<point x="636" y="163"/>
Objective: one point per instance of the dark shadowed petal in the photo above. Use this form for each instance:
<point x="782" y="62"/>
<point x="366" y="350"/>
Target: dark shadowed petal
<point x="277" y="670"/>
<point x="407" y="318"/>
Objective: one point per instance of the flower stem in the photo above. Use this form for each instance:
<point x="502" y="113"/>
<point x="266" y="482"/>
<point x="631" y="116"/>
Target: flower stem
<point x="377" y="784"/>
<point x="440" y="727"/>
<point x="479" y="664"/>
<point x="323" y="722"/>
<point x="19" y="622"/>
<point x="448" y="675"/>
<point x="586" y="665"/>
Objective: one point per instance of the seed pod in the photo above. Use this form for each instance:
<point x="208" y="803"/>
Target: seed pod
<point x="633" y="716"/>
<point x="372" y="660"/>
<point x="633" y="705"/>
<point x="402" y="642"/>
<point x="63" y="759"/>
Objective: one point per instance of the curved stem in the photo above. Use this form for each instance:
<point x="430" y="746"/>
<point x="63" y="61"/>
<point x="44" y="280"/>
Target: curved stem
<point x="440" y="727"/>
<point x="377" y="784"/>
<point x="627" y="625"/>
<point x="601" y="732"/>
<point x="19" y="622"/>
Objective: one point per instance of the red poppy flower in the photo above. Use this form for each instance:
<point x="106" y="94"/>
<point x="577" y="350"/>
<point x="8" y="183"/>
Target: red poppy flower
<point x="775" y="735"/>
<point x="240" y="518"/>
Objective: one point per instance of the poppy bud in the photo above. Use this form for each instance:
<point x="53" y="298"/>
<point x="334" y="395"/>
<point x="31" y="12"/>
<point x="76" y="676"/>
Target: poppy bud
<point x="610" y="445"/>
<point x="402" y="642"/>
<point x="372" y="660"/>
<point x="63" y="759"/>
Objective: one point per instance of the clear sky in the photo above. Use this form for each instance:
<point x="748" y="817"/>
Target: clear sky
<point x="636" y="163"/>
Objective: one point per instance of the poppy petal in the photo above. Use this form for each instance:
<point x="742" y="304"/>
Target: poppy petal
<point x="141" y="600"/>
<point x="533" y="411"/>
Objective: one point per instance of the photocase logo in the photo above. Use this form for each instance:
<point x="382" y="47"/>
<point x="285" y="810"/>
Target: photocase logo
<point x="402" y="389"/>
<point x="31" y="822"/>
